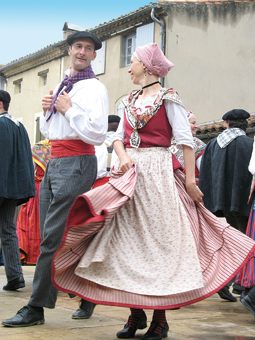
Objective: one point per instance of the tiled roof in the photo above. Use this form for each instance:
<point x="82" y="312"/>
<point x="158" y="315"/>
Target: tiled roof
<point x="218" y="2"/>
<point x="124" y="16"/>
<point x="219" y="126"/>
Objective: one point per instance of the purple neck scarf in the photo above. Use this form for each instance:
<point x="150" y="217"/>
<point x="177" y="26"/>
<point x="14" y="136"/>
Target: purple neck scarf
<point x="87" y="73"/>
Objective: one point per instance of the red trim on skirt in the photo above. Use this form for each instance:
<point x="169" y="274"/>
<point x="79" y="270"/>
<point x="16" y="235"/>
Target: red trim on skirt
<point x="100" y="181"/>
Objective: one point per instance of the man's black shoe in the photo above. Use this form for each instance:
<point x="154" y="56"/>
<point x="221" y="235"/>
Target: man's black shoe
<point x="15" y="284"/>
<point x="237" y="289"/>
<point x="246" y="301"/>
<point x="26" y="316"/>
<point x="225" y="294"/>
<point x="85" y="311"/>
<point x="242" y="296"/>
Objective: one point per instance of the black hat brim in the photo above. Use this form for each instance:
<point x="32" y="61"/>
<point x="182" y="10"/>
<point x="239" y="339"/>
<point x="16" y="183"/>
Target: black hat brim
<point x="83" y="35"/>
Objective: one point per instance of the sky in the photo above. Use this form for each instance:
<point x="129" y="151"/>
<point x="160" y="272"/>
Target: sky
<point x="28" y="26"/>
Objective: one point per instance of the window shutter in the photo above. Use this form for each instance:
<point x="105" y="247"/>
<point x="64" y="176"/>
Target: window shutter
<point x="145" y="34"/>
<point x="98" y="65"/>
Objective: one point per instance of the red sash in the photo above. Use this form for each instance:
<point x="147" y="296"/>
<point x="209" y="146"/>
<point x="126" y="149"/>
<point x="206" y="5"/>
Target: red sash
<point x="70" y="148"/>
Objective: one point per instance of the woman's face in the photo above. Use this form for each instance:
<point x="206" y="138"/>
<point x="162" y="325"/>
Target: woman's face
<point x="136" y="70"/>
<point x="193" y="125"/>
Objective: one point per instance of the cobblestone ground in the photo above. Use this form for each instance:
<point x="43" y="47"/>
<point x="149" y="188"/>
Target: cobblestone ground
<point x="210" y="319"/>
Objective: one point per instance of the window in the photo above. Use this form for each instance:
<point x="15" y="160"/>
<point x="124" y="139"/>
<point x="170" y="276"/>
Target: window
<point x="98" y="65"/>
<point x="17" y="85"/>
<point x="129" y="48"/>
<point x="37" y="133"/>
<point x="43" y="77"/>
<point x="142" y="36"/>
<point x="44" y="80"/>
<point x="2" y="82"/>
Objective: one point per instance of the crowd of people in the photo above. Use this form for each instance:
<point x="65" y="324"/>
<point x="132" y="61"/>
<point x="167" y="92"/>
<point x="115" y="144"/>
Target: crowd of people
<point x="149" y="234"/>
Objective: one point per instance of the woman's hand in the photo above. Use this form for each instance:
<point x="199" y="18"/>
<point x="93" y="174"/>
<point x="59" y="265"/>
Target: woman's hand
<point x="126" y="162"/>
<point x="194" y="192"/>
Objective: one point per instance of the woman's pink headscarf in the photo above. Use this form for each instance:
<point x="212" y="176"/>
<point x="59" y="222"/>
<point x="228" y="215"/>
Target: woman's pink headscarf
<point x="154" y="59"/>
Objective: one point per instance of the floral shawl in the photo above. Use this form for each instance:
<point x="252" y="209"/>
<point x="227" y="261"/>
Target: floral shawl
<point x="137" y="121"/>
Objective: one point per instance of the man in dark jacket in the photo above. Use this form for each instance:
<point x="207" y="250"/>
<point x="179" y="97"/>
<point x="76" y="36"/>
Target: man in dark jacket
<point x="17" y="185"/>
<point x="224" y="177"/>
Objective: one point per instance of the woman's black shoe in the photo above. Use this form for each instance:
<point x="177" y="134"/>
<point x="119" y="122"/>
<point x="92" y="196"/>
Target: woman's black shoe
<point x="151" y="335"/>
<point x="129" y="332"/>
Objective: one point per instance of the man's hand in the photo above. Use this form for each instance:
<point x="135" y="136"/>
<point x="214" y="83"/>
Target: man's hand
<point x="46" y="102"/>
<point x="63" y="103"/>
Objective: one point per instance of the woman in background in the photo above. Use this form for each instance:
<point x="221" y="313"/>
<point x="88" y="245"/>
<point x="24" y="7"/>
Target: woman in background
<point x="198" y="145"/>
<point x="28" y="225"/>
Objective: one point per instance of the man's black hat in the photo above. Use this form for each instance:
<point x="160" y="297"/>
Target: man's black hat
<point x="4" y="96"/>
<point x="236" y="114"/>
<point x="83" y="35"/>
<point x="113" y="119"/>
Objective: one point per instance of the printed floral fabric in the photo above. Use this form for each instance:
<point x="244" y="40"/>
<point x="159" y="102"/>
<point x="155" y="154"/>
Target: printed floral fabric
<point x="147" y="247"/>
<point x="178" y="152"/>
<point x="138" y="120"/>
<point x="41" y="153"/>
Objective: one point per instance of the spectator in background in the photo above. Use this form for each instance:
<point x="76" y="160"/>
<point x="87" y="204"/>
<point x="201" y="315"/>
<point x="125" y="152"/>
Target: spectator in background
<point x="17" y="185"/>
<point x="225" y="179"/>
<point x="28" y="224"/>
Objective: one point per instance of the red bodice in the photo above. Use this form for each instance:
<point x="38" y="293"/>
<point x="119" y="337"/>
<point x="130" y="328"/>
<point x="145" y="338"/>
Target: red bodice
<point x="156" y="133"/>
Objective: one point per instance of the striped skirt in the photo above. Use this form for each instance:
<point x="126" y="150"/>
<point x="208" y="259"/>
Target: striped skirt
<point x="140" y="241"/>
<point x="246" y="277"/>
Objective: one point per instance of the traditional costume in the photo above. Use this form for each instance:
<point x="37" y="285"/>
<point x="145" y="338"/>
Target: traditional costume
<point x="246" y="277"/>
<point x="161" y="231"/>
<point x="28" y="225"/>
<point x="224" y="176"/>
<point x="17" y="185"/>
<point x="72" y="167"/>
<point x="225" y="179"/>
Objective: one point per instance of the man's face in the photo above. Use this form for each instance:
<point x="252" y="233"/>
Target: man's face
<point x="82" y="53"/>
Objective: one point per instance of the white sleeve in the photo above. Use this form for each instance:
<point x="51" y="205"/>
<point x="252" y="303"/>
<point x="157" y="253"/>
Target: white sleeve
<point x="178" y="120"/>
<point x="90" y="121"/>
<point x="102" y="157"/>
<point x="252" y="161"/>
<point x="120" y="133"/>
<point x="44" y="128"/>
